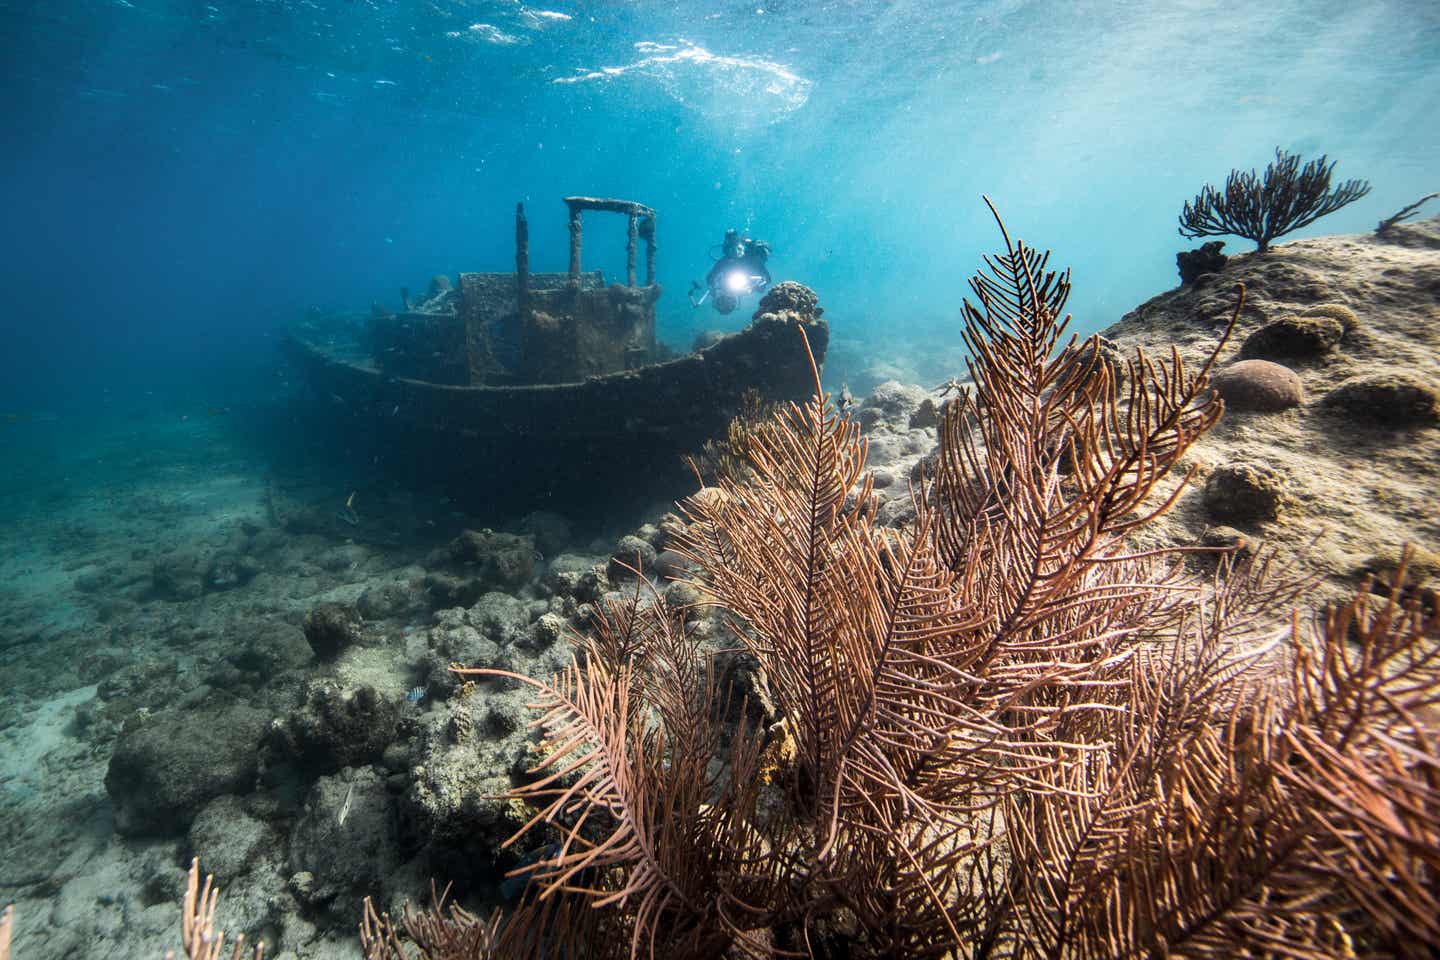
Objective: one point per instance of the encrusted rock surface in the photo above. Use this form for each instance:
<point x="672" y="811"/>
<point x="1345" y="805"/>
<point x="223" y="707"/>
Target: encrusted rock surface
<point x="330" y="628"/>
<point x="501" y="560"/>
<point x="1229" y="539"/>
<point x="1204" y="259"/>
<point x="892" y="402"/>
<point x="229" y="838"/>
<point x="454" y="805"/>
<point x="1388" y="399"/>
<point x="1293" y="338"/>
<point x="166" y="767"/>
<point x="1245" y="493"/>
<point x="631" y="553"/>
<point x="338" y="860"/>
<point x="335" y="726"/>
<point x="1360" y="449"/>
<point x="789" y="297"/>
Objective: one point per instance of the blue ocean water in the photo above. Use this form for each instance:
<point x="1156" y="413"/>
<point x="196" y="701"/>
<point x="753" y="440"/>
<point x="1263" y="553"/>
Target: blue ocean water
<point x="181" y="180"/>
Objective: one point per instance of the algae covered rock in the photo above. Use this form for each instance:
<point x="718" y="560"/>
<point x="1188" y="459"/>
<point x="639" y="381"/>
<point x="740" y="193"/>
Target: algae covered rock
<point x="1228" y="539"/>
<point x="892" y="403"/>
<point x="269" y="648"/>
<point x="1300" y="338"/>
<point x="669" y="565"/>
<point x="631" y="553"/>
<point x="1207" y="258"/>
<point x="547" y="630"/>
<point x="230" y="570"/>
<point x="790" y="298"/>
<point x="385" y="601"/>
<point x="1259" y="386"/>
<point x="346" y="841"/>
<point x="179" y="575"/>
<point x="576" y="576"/>
<point x="926" y="416"/>
<point x="330" y="628"/>
<point x="1388" y="399"/>
<point x="1245" y="493"/>
<point x="455" y="806"/>
<point x="228" y="838"/>
<point x="1277" y="279"/>
<point x="684" y="597"/>
<point x="167" y="767"/>
<point x="1098" y="352"/>
<point x="502" y="619"/>
<point x="335" y="726"/>
<point x="1335" y="311"/>
<point x="502" y="560"/>
<point x="455" y="640"/>
<point x="452" y="590"/>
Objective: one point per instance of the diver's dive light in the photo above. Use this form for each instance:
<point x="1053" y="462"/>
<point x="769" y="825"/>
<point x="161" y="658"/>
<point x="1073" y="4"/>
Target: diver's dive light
<point x="738" y="282"/>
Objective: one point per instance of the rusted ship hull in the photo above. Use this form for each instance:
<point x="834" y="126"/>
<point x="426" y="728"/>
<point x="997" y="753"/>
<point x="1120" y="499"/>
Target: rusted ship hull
<point x="672" y="406"/>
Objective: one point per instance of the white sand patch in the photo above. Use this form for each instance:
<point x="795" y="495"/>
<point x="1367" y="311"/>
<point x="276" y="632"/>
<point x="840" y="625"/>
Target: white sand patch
<point x="27" y="745"/>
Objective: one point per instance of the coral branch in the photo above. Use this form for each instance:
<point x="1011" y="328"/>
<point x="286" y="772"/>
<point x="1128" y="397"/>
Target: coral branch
<point x="1287" y="198"/>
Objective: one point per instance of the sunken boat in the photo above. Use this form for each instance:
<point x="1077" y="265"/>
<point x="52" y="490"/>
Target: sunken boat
<point x="531" y="389"/>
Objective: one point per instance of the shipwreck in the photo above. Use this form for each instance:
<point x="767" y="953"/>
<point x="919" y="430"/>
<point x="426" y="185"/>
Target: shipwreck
<point x="529" y="387"/>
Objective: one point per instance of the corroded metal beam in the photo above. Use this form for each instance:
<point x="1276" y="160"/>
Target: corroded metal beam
<point x="575" y="244"/>
<point x="647" y="232"/>
<point x="628" y="207"/>
<point x="642" y="224"/>
<point x="522" y="258"/>
<point x="632" y="234"/>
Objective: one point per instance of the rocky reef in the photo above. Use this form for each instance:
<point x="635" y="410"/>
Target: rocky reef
<point x="1329" y="451"/>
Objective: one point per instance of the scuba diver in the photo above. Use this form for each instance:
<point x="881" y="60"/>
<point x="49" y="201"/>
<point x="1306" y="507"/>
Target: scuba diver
<point x="739" y="270"/>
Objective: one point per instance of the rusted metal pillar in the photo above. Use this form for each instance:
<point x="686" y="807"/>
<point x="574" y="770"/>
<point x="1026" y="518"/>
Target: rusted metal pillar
<point x="522" y="258"/>
<point x="647" y="230"/>
<point x="632" y="232"/>
<point x="575" y="244"/>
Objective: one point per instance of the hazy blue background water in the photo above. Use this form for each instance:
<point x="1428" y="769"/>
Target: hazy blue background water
<point x="181" y="179"/>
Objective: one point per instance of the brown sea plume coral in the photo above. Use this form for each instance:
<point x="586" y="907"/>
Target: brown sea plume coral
<point x="1012" y="731"/>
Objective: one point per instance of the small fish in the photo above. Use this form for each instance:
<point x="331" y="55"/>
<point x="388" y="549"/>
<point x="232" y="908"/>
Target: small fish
<point x="396" y="411"/>
<point x="416" y="694"/>
<point x="347" y="513"/>
<point x="847" y="399"/>
<point x="345" y="807"/>
<point x="514" y="884"/>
